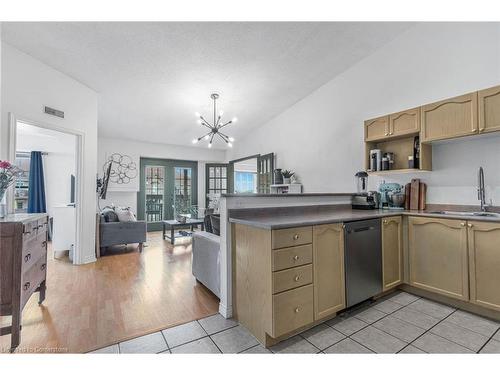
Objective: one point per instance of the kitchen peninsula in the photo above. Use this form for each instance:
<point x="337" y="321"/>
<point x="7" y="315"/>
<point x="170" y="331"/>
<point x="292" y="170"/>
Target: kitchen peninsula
<point x="290" y="264"/>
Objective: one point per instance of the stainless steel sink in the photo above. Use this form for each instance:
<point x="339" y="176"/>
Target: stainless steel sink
<point x="461" y="213"/>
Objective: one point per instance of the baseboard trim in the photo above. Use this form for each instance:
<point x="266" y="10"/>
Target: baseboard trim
<point x="225" y="311"/>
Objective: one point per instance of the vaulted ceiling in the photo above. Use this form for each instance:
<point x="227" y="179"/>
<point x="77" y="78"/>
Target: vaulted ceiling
<point x="152" y="77"/>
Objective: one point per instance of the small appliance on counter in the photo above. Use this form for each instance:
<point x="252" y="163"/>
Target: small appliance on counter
<point x="365" y="201"/>
<point x="392" y="196"/>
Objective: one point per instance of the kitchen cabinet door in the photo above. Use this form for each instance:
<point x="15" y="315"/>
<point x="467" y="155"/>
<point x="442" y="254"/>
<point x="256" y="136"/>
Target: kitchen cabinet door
<point x="438" y="259"/>
<point x="484" y="263"/>
<point x="377" y="128"/>
<point x="489" y="110"/>
<point x="450" y="118"/>
<point x="328" y="261"/>
<point x="404" y="123"/>
<point x="392" y="252"/>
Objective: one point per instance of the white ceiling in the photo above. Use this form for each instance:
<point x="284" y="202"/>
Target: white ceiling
<point x="153" y="77"/>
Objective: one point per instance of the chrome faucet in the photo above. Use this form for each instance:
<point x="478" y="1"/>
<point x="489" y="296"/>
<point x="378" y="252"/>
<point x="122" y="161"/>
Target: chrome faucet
<point x="480" y="189"/>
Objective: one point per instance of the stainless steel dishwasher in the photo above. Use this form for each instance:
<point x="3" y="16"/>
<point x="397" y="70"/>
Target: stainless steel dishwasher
<point x="363" y="260"/>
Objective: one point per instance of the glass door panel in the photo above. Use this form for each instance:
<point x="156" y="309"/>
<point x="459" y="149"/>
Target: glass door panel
<point x="154" y="193"/>
<point x="183" y="198"/>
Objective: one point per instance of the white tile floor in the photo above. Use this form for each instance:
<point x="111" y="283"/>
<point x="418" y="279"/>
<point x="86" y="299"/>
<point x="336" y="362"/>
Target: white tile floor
<point x="400" y="323"/>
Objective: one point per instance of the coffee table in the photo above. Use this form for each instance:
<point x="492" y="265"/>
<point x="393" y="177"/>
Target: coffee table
<point x="172" y="225"/>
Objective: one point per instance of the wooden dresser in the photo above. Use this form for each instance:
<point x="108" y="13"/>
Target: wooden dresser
<point x="23" y="266"/>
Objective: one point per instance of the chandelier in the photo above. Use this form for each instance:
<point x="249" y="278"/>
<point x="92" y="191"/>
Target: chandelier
<point x="215" y="127"/>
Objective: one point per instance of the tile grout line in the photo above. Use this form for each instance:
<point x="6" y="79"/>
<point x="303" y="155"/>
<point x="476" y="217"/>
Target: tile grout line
<point x="487" y="342"/>
<point x="210" y="337"/>
<point x="428" y="331"/>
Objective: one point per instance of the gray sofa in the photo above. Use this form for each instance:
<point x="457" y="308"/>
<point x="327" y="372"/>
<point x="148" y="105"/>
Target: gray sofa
<point x="120" y="233"/>
<point x="206" y="260"/>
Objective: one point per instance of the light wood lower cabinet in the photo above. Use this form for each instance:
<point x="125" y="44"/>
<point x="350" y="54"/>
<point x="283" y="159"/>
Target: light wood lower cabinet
<point x="484" y="263"/>
<point x="392" y="252"/>
<point x="438" y="261"/>
<point x="329" y="280"/>
<point x="450" y="118"/>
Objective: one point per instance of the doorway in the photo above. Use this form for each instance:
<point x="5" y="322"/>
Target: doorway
<point x="167" y="188"/>
<point x="48" y="158"/>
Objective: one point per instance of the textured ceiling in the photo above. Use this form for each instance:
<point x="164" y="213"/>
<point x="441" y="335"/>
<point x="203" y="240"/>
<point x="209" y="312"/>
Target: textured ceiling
<point x="153" y="77"/>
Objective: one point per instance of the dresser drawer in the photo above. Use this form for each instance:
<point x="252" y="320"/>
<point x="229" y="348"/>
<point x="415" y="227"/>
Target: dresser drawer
<point x="291" y="237"/>
<point x="32" y="278"/>
<point x="292" y="310"/>
<point x="291" y="257"/>
<point x="33" y="250"/>
<point x="292" y="278"/>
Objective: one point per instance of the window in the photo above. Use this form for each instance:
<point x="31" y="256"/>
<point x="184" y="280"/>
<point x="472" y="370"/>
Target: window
<point x="216" y="179"/>
<point x="155" y="190"/>
<point x="245" y="182"/>
<point x="182" y="194"/>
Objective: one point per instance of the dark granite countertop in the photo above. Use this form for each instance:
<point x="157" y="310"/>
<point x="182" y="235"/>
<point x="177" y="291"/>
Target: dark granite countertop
<point x="230" y="195"/>
<point x="314" y="215"/>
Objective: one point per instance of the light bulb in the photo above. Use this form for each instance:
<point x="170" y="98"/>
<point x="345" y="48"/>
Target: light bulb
<point x="207" y="137"/>
<point x="209" y="145"/>
<point x="198" y="121"/>
<point x="194" y="141"/>
<point x="197" y="114"/>
<point x="235" y="119"/>
<point x="231" y="139"/>
<point x="221" y="113"/>
<point x="230" y="144"/>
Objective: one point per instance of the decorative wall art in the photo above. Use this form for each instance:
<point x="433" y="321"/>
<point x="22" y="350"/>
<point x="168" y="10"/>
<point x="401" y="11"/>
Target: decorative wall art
<point x="123" y="168"/>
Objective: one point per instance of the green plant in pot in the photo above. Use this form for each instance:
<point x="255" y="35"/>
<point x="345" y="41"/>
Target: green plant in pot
<point x="287" y="175"/>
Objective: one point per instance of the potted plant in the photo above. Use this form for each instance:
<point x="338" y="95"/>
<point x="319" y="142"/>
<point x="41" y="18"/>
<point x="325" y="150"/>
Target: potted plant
<point x="287" y="175"/>
<point x="8" y="175"/>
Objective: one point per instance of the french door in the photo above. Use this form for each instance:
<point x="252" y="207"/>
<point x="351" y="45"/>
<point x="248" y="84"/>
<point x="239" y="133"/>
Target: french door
<point x="167" y="187"/>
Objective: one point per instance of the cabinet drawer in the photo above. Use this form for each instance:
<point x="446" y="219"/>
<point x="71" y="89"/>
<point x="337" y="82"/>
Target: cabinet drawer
<point x="292" y="278"/>
<point x="292" y="257"/>
<point x="292" y="310"/>
<point x="291" y="237"/>
<point x="33" y="250"/>
<point x="32" y="278"/>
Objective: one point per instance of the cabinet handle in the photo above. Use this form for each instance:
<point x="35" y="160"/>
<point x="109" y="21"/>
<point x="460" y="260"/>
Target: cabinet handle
<point x="26" y="286"/>
<point x="390" y="133"/>
<point x="43" y="266"/>
<point x="297" y="309"/>
<point x="296" y="237"/>
<point x="44" y="244"/>
<point x="470" y="225"/>
<point x="385" y="221"/>
<point x="296" y="257"/>
<point x="462" y="224"/>
<point x="40" y="226"/>
<point x="297" y="278"/>
<point x="27" y="258"/>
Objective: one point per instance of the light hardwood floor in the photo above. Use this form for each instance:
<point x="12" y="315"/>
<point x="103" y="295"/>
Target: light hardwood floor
<point x="123" y="295"/>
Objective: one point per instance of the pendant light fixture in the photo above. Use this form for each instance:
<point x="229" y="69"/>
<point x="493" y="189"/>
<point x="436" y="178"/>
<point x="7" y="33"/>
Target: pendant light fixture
<point x="215" y="127"/>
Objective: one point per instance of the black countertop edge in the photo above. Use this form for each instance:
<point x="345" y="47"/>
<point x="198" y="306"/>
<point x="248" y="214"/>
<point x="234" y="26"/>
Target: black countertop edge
<point x="345" y="216"/>
<point x="232" y="195"/>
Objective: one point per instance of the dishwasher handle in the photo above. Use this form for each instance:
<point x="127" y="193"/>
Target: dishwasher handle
<point x="359" y="229"/>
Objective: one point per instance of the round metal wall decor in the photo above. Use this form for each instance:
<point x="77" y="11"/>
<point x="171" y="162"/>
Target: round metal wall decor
<point x="123" y="168"/>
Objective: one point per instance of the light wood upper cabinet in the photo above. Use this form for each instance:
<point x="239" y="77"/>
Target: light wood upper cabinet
<point x="376" y="128"/>
<point x="438" y="259"/>
<point x="405" y="122"/>
<point x="489" y="109"/>
<point x="328" y="261"/>
<point x="450" y="118"/>
<point x="392" y="252"/>
<point x="484" y="263"/>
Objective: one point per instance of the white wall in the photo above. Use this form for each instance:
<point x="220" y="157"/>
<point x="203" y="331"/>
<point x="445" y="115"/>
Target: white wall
<point x="126" y="194"/>
<point x="58" y="162"/>
<point x="28" y="85"/>
<point x="321" y="137"/>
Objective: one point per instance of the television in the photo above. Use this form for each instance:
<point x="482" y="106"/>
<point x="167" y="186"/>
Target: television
<point x="105" y="181"/>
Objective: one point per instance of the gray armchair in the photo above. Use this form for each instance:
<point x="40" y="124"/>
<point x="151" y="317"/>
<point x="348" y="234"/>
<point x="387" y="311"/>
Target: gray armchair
<point x="206" y="260"/>
<point x="118" y="233"/>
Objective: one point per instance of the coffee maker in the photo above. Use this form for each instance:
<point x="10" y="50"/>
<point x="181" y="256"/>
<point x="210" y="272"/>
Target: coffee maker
<point x="375" y="160"/>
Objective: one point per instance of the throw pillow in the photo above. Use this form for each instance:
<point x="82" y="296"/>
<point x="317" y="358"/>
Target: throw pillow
<point x="125" y="214"/>
<point x="110" y="215"/>
<point x="215" y="221"/>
